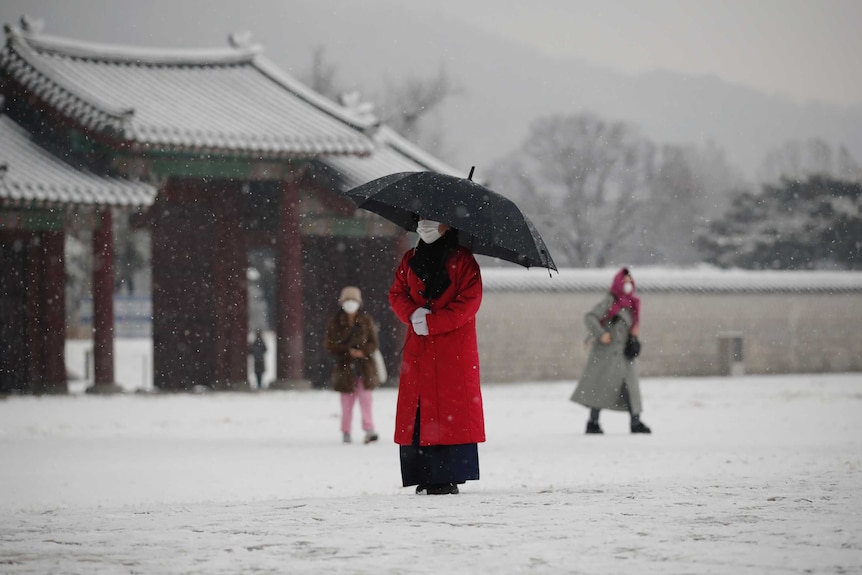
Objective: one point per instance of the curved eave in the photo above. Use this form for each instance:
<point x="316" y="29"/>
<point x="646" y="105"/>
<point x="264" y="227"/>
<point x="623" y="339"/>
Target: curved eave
<point x="32" y="176"/>
<point x="139" y="55"/>
<point x="232" y="145"/>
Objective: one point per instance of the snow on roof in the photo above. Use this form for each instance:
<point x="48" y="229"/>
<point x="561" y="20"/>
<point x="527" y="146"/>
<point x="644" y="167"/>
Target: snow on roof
<point x="226" y="100"/>
<point x="392" y="154"/>
<point x="34" y="175"/>
<point x="659" y="280"/>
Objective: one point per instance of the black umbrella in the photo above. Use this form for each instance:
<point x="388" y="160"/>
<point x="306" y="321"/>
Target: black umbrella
<point x="488" y="223"/>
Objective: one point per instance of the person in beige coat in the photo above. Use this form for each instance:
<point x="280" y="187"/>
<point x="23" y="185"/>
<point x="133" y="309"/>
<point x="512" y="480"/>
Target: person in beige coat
<point x="610" y="378"/>
<point x="351" y="338"/>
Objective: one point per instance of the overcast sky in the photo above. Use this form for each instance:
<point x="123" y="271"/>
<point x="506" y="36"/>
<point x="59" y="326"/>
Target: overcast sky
<point x="804" y="49"/>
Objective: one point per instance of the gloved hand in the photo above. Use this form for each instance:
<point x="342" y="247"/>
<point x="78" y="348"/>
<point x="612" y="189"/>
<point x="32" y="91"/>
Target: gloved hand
<point x="420" y="324"/>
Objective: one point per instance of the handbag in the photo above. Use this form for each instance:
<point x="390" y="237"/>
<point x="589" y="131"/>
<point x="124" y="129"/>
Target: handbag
<point x="380" y="366"/>
<point x="633" y="347"/>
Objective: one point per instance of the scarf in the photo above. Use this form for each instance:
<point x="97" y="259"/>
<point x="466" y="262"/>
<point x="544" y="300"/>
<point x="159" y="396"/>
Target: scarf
<point x="622" y="299"/>
<point x="429" y="264"/>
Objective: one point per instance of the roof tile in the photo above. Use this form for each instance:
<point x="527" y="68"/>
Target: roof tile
<point x="230" y="100"/>
<point x="33" y="174"/>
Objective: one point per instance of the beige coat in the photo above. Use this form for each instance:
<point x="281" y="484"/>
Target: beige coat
<point x="601" y="382"/>
<point x="341" y="336"/>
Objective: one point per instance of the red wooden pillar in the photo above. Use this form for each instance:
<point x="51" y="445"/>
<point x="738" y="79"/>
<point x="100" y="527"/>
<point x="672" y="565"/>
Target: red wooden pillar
<point x="289" y="332"/>
<point x="103" y="304"/>
<point x="35" y="315"/>
<point x="54" y="313"/>
<point x="231" y="291"/>
<point x="46" y="314"/>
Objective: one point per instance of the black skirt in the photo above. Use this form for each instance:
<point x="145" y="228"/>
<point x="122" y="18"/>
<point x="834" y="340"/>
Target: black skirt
<point x="438" y="464"/>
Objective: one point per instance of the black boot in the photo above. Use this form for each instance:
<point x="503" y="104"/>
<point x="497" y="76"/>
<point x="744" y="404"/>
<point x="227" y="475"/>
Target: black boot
<point x="594" y="427"/>
<point x="441" y="489"/>
<point x="638" y="426"/>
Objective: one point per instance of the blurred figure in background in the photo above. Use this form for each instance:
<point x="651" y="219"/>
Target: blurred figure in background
<point x="351" y="338"/>
<point x="257" y="350"/>
<point x="610" y="379"/>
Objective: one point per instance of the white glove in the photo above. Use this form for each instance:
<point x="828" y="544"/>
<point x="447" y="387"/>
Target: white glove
<point x="420" y="324"/>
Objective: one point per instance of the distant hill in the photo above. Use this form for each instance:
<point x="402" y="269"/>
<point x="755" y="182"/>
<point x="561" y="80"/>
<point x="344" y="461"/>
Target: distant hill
<point x="506" y="85"/>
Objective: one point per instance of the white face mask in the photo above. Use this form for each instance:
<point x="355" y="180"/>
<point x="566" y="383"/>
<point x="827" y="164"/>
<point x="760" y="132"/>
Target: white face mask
<point x="428" y="230"/>
<point x="350" y="306"/>
<point x="628" y="288"/>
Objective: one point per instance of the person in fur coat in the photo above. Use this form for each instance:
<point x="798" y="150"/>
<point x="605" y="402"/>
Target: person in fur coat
<point x="351" y="338"/>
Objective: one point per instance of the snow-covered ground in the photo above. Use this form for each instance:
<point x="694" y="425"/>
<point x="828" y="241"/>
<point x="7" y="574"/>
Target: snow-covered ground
<point x="741" y="475"/>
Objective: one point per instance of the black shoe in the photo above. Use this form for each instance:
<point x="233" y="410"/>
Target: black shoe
<point x="594" y="427"/>
<point x="442" y="489"/>
<point x="370" y="436"/>
<point x="640" y="428"/>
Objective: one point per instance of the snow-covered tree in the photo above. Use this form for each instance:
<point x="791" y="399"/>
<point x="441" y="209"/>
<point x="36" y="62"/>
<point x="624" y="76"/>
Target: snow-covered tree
<point x="815" y="223"/>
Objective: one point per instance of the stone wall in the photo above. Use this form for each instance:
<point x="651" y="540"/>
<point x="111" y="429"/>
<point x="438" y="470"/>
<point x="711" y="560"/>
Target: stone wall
<point x="539" y="336"/>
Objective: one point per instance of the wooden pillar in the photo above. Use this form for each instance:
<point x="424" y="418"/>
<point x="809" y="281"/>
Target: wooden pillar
<point x="289" y="332"/>
<point x="54" y="313"/>
<point x="35" y="315"/>
<point x="231" y="291"/>
<point x="46" y="314"/>
<point x="103" y="304"/>
<point x="15" y="307"/>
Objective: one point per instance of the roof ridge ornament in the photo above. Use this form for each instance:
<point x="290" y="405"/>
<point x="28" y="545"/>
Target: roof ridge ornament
<point x="32" y="25"/>
<point x="364" y="109"/>
<point x="240" y="40"/>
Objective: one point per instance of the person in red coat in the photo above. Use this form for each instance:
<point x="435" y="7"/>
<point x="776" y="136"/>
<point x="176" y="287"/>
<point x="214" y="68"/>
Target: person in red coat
<point x="439" y="418"/>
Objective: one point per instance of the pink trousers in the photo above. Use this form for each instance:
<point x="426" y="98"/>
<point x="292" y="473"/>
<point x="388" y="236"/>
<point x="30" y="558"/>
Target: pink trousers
<point x="347" y="402"/>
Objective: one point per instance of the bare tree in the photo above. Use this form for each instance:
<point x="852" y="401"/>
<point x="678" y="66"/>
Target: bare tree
<point x="667" y="222"/>
<point x="797" y="160"/>
<point x="402" y="105"/>
<point x="406" y="103"/>
<point x="714" y="179"/>
<point x="586" y="179"/>
<point x="321" y="76"/>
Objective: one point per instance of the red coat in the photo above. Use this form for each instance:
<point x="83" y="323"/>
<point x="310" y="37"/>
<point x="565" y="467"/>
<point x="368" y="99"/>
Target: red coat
<point x="440" y="371"/>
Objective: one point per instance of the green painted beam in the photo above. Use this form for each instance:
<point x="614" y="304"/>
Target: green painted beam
<point x="32" y="220"/>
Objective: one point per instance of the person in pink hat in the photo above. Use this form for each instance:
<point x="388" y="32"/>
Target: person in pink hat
<point x="610" y="378"/>
<point x="351" y="338"/>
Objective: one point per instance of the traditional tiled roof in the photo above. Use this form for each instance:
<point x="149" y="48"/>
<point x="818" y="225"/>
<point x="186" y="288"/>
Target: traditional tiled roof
<point x="392" y="154"/>
<point x="229" y="100"/>
<point x="29" y="174"/>
<point x="662" y="280"/>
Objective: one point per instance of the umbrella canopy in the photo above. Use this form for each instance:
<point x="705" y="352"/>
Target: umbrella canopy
<point x="488" y="223"/>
